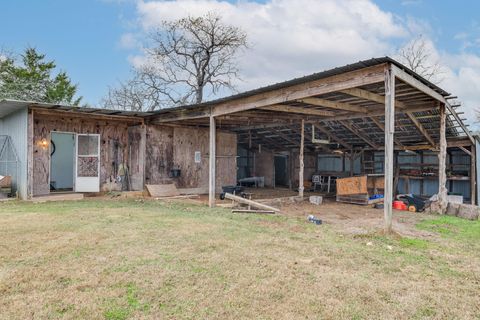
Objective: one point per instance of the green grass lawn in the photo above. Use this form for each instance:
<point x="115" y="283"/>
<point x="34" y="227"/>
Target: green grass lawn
<point x="130" y="259"/>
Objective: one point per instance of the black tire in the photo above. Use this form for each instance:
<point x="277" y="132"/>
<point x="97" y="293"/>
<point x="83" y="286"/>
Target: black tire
<point x="222" y="196"/>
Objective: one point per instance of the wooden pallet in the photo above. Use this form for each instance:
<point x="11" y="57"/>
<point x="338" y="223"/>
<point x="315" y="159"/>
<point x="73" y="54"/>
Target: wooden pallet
<point x="362" y="199"/>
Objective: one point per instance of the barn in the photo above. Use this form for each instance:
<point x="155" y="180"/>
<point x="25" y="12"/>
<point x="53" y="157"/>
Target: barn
<point x="371" y="118"/>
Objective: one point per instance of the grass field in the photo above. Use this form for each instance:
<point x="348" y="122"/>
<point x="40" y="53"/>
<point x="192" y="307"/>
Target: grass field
<point x="131" y="259"/>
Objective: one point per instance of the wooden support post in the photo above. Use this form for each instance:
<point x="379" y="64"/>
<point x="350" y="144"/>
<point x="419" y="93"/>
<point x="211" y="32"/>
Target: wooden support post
<point x="442" y="157"/>
<point x="352" y="162"/>
<point x="212" y="159"/>
<point x="389" y="131"/>
<point x="473" y="174"/>
<point x="300" y="157"/>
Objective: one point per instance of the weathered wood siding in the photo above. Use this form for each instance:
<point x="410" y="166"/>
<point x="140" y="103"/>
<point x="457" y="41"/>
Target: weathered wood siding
<point x="112" y="133"/>
<point x="169" y="147"/>
<point x="310" y="167"/>
<point x="159" y="154"/>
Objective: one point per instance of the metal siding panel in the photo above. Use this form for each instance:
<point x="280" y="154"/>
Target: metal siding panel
<point x="430" y="157"/>
<point x="16" y="126"/>
<point x="329" y="163"/>
<point x="462" y="187"/>
<point x="430" y="187"/>
<point x="477" y="144"/>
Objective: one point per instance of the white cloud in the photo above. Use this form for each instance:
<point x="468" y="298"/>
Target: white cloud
<point x="293" y="38"/>
<point x="129" y="41"/>
<point x="287" y="40"/>
<point x="462" y="79"/>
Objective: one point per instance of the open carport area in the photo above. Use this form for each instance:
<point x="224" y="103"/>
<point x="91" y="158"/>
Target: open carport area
<point x="371" y="113"/>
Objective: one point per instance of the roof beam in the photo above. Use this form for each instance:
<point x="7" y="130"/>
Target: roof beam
<point x="333" y="104"/>
<point x="420" y="128"/>
<point x="459" y="121"/>
<point x="285" y="137"/>
<point x="350" y="126"/>
<point x="332" y="136"/>
<point x="405" y="77"/>
<point x="367" y="95"/>
<point x="291" y="109"/>
<point x="375" y="113"/>
<point x="382" y="126"/>
<point x="334" y="83"/>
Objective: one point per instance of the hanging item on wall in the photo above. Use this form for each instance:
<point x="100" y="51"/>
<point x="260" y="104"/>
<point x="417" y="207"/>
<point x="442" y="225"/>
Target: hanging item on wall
<point x="175" y="172"/>
<point x="198" y="157"/>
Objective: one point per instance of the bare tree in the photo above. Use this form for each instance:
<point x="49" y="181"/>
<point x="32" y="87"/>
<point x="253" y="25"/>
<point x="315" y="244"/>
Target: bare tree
<point x="133" y="95"/>
<point x="418" y="56"/>
<point x="186" y="58"/>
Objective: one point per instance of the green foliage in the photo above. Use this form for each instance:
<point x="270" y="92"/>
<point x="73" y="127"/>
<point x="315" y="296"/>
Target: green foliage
<point x="31" y="78"/>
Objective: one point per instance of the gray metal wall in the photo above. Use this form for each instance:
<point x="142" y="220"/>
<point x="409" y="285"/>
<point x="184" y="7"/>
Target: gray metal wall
<point x="16" y="126"/>
<point x="334" y="163"/>
<point x="430" y="186"/>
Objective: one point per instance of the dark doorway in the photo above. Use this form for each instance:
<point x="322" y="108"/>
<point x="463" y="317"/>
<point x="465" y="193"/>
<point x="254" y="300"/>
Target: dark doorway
<point x="62" y="155"/>
<point x="281" y="171"/>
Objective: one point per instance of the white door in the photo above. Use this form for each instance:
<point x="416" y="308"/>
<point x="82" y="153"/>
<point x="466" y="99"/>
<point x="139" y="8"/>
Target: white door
<point x="87" y="164"/>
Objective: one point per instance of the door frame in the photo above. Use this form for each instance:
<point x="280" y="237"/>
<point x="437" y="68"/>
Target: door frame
<point x="73" y="157"/>
<point x="97" y="189"/>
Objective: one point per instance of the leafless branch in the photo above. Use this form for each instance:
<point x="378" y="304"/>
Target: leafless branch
<point x="419" y="57"/>
<point x="186" y="58"/>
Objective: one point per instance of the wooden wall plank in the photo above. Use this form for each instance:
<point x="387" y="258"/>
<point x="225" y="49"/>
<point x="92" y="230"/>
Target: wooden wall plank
<point x="111" y="132"/>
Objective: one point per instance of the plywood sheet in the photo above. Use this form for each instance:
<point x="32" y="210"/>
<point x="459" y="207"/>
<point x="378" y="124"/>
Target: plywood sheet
<point x="162" y="190"/>
<point x="377" y="182"/>
<point x="352" y="185"/>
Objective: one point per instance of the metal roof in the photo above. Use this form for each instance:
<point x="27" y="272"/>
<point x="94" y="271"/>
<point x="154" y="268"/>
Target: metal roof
<point x="312" y="77"/>
<point x="9" y="106"/>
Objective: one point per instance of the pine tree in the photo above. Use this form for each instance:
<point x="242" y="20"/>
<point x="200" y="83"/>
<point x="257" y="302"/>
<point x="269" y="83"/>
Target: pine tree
<point x="31" y="79"/>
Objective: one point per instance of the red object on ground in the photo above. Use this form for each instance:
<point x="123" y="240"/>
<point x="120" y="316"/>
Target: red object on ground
<point x="399" y="205"/>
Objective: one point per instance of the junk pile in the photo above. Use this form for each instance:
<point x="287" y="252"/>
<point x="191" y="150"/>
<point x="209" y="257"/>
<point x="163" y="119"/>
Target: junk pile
<point x="314" y="219"/>
<point x="410" y="202"/>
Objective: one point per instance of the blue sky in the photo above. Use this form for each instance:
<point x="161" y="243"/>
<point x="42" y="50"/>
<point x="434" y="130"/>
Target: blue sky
<point x="84" y="36"/>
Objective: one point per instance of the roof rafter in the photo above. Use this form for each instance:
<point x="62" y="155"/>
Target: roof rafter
<point x="332" y="136"/>
<point x="355" y="130"/>
<point x="367" y="95"/>
<point x="313" y="112"/>
<point x="421" y="128"/>
<point x="382" y="126"/>
<point x="333" y="104"/>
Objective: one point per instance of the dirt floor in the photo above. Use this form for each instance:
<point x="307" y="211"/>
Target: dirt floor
<point x="143" y="259"/>
<point x="346" y="218"/>
<point x="358" y="219"/>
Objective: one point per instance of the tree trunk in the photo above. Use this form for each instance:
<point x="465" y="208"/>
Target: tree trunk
<point x="199" y="95"/>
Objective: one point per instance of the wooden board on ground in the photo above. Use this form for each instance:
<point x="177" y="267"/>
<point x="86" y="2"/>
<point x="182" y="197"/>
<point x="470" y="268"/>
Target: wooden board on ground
<point x="252" y="211"/>
<point x="187" y="196"/>
<point x="352" y="185"/>
<point x="193" y="190"/>
<point x="251" y="203"/>
<point x="162" y="190"/>
<point x="58" y="197"/>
